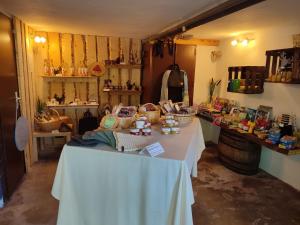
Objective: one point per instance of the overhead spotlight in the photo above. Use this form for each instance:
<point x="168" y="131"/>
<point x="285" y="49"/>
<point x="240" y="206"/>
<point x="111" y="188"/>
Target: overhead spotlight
<point x="234" y="42"/>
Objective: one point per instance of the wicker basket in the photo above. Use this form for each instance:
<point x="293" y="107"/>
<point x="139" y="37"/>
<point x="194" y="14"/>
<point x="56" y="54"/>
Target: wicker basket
<point x="184" y="119"/>
<point x="48" y="126"/>
<point x="125" y="122"/>
<point x="108" y="117"/>
<point x="152" y="116"/>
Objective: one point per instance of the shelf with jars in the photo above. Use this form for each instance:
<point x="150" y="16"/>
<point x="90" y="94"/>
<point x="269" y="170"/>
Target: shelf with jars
<point x="283" y="66"/>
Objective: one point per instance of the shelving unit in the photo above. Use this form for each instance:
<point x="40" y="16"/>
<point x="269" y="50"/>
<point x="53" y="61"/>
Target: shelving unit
<point x="84" y="106"/>
<point x="124" y="66"/>
<point x="76" y="50"/>
<point x="255" y="139"/>
<point x="64" y="79"/>
<point x="246" y="79"/>
<point x="275" y="63"/>
<point x="123" y="92"/>
<point x="68" y="77"/>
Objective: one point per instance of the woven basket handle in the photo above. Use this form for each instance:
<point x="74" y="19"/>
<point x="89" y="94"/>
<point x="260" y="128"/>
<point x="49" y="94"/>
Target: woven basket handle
<point x="56" y="113"/>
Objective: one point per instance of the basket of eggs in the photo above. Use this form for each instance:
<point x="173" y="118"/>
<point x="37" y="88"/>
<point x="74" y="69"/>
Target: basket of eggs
<point x="151" y="111"/>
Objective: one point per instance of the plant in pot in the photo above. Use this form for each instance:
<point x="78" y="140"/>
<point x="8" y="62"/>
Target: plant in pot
<point x="212" y="86"/>
<point x="40" y="107"/>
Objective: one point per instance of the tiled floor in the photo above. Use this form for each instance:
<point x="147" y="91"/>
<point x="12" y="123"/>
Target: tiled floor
<point x="222" y="197"/>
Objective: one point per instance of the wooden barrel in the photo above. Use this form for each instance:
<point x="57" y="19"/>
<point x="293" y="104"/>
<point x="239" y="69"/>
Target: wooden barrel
<point x="238" y="153"/>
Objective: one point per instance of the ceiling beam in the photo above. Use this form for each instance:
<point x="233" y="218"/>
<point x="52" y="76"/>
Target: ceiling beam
<point x="194" y="41"/>
<point x="217" y="12"/>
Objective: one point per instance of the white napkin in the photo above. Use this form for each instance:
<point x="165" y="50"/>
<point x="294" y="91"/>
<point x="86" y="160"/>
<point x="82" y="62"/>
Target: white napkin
<point x="131" y="142"/>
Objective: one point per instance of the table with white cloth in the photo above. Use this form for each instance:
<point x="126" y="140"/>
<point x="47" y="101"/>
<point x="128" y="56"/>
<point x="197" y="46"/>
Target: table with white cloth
<point x="101" y="186"/>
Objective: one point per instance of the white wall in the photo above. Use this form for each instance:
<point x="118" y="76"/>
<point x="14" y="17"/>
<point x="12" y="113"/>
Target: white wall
<point x="204" y="71"/>
<point x="284" y="98"/>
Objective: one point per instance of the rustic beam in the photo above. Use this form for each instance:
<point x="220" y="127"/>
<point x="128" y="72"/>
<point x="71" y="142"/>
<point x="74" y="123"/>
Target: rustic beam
<point x="217" y="12"/>
<point x="194" y="41"/>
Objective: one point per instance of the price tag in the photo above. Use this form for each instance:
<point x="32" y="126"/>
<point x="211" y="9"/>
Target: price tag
<point x="154" y="149"/>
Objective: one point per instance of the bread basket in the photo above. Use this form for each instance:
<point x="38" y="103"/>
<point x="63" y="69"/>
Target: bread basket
<point x="153" y="115"/>
<point x="53" y="123"/>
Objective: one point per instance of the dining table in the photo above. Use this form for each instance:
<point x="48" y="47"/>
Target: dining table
<point x="102" y="186"/>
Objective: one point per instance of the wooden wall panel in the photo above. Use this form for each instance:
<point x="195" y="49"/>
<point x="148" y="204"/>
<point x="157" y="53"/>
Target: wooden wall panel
<point x="40" y="56"/>
<point x="102" y="44"/>
<point x="91" y="58"/>
<point x="54" y="58"/>
<point x="114" y="51"/>
<point x="78" y="52"/>
<point x="26" y="80"/>
<point x="73" y="50"/>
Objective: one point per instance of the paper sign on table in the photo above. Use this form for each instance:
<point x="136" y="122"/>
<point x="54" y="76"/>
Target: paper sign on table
<point x="154" y="149"/>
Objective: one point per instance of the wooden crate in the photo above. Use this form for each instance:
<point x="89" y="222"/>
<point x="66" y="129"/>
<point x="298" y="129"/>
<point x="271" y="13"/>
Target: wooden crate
<point x="274" y="65"/>
<point x="251" y="78"/>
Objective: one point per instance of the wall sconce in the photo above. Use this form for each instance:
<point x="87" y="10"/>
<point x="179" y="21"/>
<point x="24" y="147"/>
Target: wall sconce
<point x="234" y="42"/>
<point x="38" y="39"/>
<point x="243" y="42"/>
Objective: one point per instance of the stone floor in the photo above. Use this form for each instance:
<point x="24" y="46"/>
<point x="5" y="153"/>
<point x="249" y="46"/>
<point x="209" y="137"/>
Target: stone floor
<point x="222" y="197"/>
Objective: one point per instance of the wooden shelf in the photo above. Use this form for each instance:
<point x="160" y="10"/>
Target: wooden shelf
<point x="113" y="66"/>
<point x="255" y="139"/>
<point x="250" y="77"/>
<point x="68" y="77"/>
<point x="274" y="63"/>
<point x="247" y="92"/>
<point x="123" y="66"/>
<point x="123" y="92"/>
<point x="279" y="82"/>
<point x="84" y="106"/>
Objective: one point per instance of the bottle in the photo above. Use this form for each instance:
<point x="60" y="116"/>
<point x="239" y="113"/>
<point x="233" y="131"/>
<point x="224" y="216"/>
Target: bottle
<point x="51" y="68"/>
<point x="46" y="67"/>
<point x="71" y="70"/>
<point x="131" y="58"/>
<point x="122" y="60"/>
<point x="63" y="68"/>
<point x="80" y="69"/>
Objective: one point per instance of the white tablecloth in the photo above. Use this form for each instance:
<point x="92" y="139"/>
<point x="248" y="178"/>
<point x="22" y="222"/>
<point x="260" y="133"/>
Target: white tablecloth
<point x="105" y="187"/>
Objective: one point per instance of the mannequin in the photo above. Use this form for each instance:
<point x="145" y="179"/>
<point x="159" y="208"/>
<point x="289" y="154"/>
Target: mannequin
<point x="175" y="85"/>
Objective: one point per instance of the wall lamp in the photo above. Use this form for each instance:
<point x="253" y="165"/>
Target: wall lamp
<point x="243" y="42"/>
<point x="38" y="39"/>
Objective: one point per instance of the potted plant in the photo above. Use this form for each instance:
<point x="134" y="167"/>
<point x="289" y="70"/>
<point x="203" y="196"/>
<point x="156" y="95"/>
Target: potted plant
<point x="212" y="85"/>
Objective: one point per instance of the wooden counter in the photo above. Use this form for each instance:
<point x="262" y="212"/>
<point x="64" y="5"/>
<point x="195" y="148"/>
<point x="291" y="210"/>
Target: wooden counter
<point x="255" y="139"/>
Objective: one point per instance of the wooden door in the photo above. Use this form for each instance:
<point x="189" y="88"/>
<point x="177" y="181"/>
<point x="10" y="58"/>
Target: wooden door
<point x="186" y="59"/>
<point x="155" y="66"/>
<point x="14" y="163"/>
